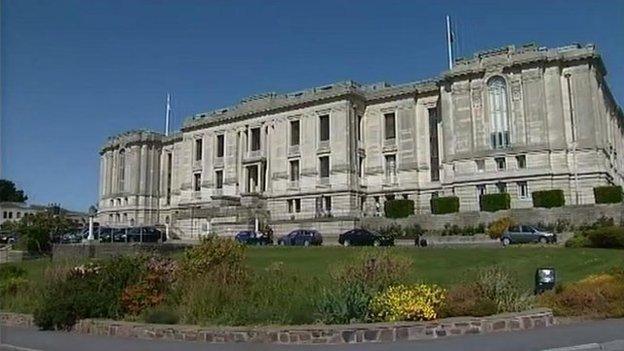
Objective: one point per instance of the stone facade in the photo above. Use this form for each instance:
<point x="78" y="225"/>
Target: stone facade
<point x="515" y="119"/>
<point x="308" y="334"/>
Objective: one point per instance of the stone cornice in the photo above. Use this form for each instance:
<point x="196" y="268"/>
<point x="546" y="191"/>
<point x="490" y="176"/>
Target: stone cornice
<point x="141" y="137"/>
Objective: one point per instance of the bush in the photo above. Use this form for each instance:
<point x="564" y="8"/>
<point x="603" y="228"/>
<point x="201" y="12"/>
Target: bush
<point x="608" y="194"/>
<point x="578" y="240"/>
<point x="399" y="208"/>
<point x="150" y="289"/>
<point x="407" y="303"/>
<point x="8" y="271"/>
<point x="354" y="285"/>
<point x="12" y="286"/>
<point x="548" y="198"/>
<point x="393" y="230"/>
<point x="348" y="303"/>
<point x="446" y="204"/>
<point x="597" y="296"/>
<point x="214" y="256"/>
<point x="88" y="291"/>
<point x="467" y="300"/>
<point x="494" y="202"/>
<point x="607" y="237"/>
<point x="499" y="286"/>
<point x="496" y="229"/>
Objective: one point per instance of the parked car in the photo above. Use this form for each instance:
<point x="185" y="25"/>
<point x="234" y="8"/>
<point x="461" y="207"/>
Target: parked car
<point x="364" y="237"/>
<point x="518" y="234"/>
<point x="301" y="237"/>
<point x="71" y="238"/>
<point x="143" y="234"/>
<point x="8" y="238"/>
<point x="250" y="237"/>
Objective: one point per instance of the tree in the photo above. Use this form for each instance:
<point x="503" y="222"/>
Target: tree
<point x="8" y="192"/>
<point x="36" y="232"/>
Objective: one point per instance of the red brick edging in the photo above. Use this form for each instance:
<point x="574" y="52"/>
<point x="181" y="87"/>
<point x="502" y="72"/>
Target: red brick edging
<point x="307" y="334"/>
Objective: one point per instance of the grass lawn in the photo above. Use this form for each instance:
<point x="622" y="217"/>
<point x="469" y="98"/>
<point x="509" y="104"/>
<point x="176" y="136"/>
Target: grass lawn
<point x="446" y="266"/>
<point x="443" y="266"/>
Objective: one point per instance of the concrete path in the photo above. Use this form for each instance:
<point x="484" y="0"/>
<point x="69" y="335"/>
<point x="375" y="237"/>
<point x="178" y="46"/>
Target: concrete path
<point x="586" y="336"/>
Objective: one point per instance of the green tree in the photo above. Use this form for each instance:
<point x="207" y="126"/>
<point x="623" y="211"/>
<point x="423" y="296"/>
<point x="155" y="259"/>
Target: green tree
<point x="8" y="192"/>
<point x="37" y="231"/>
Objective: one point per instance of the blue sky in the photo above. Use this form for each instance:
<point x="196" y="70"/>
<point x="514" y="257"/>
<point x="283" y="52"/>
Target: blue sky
<point x="75" y="72"/>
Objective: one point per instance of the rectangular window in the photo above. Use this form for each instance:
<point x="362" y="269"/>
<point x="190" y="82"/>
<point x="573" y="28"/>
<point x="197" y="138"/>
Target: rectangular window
<point x="294" y="170"/>
<point x="220" y="145"/>
<point x="5" y="214"/>
<point x="390" y="125"/>
<point x="198" y="149"/>
<point x="361" y="167"/>
<point x="197" y="181"/>
<point x="219" y="179"/>
<point x="324" y="127"/>
<point x="390" y="167"/>
<point x="502" y="187"/>
<point x="18" y="215"/>
<point x="359" y="128"/>
<point x="501" y="164"/>
<point x="294" y="133"/>
<point x="433" y="145"/>
<point x="290" y="205"/>
<point x="481" y="190"/>
<point x="169" y="166"/>
<point x="324" y="166"/>
<point x="10" y="215"/>
<point x="328" y="204"/>
<point x="521" y="159"/>
<point x="297" y="205"/>
<point x="480" y="166"/>
<point x="255" y="139"/>
<point x="523" y="190"/>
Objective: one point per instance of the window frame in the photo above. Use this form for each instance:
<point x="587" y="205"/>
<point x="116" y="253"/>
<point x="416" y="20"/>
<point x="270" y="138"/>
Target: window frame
<point x="322" y="132"/>
<point x="387" y="136"/>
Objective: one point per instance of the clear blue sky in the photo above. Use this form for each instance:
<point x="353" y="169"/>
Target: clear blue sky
<point x="75" y="72"/>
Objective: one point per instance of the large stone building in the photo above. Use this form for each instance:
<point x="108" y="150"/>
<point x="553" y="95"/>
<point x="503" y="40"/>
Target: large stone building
<point x="515" y="119"/>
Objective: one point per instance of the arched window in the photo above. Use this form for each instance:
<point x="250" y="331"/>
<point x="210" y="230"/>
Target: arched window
<point x="122" y="169"/>
<point x="499" y="123"/>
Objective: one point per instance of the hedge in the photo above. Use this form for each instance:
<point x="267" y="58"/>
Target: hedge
<point x="399" y="208"/>
<point x="607" y="237"/>
<point x="494" y="202"/>
<point x="446" y="204"/>
<point x="608" y="194"/>
<point x="548" y="198"/>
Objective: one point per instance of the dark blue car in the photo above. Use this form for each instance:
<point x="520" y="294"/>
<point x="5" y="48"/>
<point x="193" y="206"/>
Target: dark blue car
<point x="301" y="237"/>
<point x="250" y="237"/>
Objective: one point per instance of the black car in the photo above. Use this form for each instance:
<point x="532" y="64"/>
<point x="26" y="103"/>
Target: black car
<point x="8" y="238"/>
<point x="301" y="237"/>
<point x="143" y="234"/>
<point x="364" y="237"/>
<point x="250" y="237"/>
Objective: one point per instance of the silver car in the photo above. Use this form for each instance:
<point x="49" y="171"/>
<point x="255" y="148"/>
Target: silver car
<point x="518" y="234"/>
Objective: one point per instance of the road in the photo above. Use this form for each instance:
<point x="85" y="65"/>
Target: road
<point x="610" y="333"/>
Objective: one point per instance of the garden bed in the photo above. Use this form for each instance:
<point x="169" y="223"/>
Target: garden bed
<point x="308" y="334"/>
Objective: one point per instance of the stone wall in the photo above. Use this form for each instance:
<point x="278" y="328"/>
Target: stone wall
<point x="308" y="334"/>
<point x="573" y="215"/>
<point x="72" y="252"/>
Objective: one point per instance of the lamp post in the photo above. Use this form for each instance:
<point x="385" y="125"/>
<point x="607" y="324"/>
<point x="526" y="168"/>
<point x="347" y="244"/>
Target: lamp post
<point x="545" y="279"/>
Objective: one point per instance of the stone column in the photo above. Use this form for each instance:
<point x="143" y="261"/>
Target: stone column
<point x="143" y="170"/>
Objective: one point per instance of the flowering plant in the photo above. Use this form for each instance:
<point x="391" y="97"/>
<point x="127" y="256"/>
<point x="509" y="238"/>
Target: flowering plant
<point x="407" y="303"/>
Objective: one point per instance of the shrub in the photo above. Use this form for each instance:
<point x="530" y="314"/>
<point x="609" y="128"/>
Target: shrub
<point x="596" y="296"/>
<point x="446" y="204"/>
<point x="347" y="303"/>
<point x="578" y="240"/>
<point x="214" y="256"/>
<point x="608" y="194"/>
<point x="407" y="303"/>
<point x="500" y="287"/>
<point x="88" y="291"/>
<point x="467" y="300"/>
<point x="393" y="230"/>
<point x="607" y="237"/>
<point x="413" y="231"/>
<point x="13" y="286"/>
<point x="548" y="198"/>
<point x="375" y="270"/>
<point x="496" y="229"/>
<point x="494" y="202"/>
<point x="160" y="315"/>
<point x="399" y="208"/>
<point x="8" y="271"/>
<point x="150" y="289"/>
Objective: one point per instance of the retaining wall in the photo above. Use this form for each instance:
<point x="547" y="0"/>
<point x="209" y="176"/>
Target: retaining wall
<point x="105" y="250"/>
<point x="309" y="334"/>
<point x="573" y="215"/>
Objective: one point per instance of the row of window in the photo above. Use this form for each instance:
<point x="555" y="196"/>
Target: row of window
<point x="9" y="215"/>
<point x="323" y="205"/>
<point x="522" y="187"/>
<point x="118" y="218"/>
<point x="112" y="202"/>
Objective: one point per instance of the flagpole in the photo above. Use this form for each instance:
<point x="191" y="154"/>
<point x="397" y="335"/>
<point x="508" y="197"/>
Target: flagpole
<point x="449" y="39"/>
<point x="168" y="115"/>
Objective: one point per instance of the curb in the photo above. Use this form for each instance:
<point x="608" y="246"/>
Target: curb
<point x="307" y="334"/>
